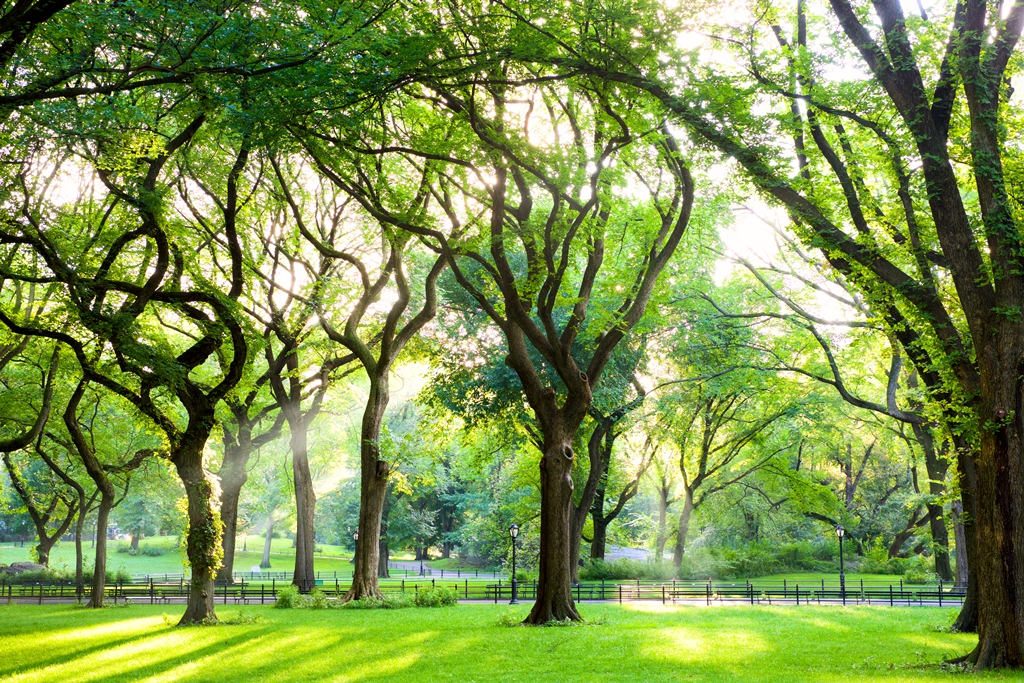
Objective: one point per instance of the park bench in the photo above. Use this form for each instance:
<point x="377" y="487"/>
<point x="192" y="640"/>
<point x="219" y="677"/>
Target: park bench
<point x="787" y="593"/>
<point x="732" y="592"/>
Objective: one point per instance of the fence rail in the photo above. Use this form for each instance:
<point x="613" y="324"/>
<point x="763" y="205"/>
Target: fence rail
<point x="153" y="591"/>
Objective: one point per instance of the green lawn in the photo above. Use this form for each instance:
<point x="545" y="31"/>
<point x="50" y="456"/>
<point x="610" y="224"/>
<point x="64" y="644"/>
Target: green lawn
<point x="466" y="643"/>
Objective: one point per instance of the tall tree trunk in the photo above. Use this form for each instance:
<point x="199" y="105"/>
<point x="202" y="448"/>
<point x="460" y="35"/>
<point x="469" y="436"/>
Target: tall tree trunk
<point x="597" y="546"/>
<point x="79" y="553"/>
<point x="268" y="537"/>
<point x="373" y="487"/>
<point x="134" y="545"/>
<point x="960" y="537"/>
<point x="554" y="587"/>
<point x="99" y="572"/>
<point x="967" y="620"/>
<point x="305" y="508"/>
<point x="203" y="545"/>
<point x="233" y="476"/>
<point x="937" y="467"/>
<point x="599" y="451"/>
<point x="229" y="515"/>
<point x="683" y="528"/>
<point x="998" y="570"/>
<point x="382" y="563"/>
<point x="659" y="547"/>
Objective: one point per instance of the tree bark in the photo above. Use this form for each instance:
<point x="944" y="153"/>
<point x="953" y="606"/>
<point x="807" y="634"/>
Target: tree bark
<point x="683" y="528"/>
<point x="659" y="547"/>
<point x="382" y="563"/>
<point x="99" y="572"/>
<point x="967" y="620"/>
<point x="597" y="546"/>
<point x="305" y="511"/>
<point x="554" y="589"/>
<point x="203" y="546"/>
<point x="937" y="468"/>
<point x="265" y="562"/>
<point x="231" y="491"/>
<point x="998" y="571"/>
<point x="373" y="487"/>
<point x="960" y="538"/>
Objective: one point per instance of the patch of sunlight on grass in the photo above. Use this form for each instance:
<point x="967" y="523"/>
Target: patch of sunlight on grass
<point x="655" y="607"/>
<point x="379" y="667"/>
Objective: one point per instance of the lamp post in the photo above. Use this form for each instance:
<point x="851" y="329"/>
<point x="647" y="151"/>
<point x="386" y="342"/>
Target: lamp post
<point x="513" y="531"/>
<point x="841" y="532"/>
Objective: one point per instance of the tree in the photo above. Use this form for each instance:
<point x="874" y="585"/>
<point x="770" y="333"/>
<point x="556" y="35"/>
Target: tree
<point x="536" y="263"/>
<point x="913" y="235"/>
<point x="374" y="342"/>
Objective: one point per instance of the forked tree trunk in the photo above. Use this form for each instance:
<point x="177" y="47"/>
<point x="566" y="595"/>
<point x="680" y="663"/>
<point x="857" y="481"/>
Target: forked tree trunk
<point x="203" y="545"/>
<point x="683" y="528"/>
<point x="554" y="587"/>
<point x="999" y="569"/>
<point x="373" y="487"/>
<point x="99" y="573"/>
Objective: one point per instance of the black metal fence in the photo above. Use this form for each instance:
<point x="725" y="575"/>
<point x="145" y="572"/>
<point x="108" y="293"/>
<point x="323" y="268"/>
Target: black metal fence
<point x="154" y="591"/>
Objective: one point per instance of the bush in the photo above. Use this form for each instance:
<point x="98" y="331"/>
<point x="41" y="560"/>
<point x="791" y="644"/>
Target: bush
<point x="289" y="597"/>
<point x="436" y="596"/>
<point x="151" y="550"/>
<point x="623" y="569"/>
<point x="387" y="601"/>
<point x="317" y="600"/>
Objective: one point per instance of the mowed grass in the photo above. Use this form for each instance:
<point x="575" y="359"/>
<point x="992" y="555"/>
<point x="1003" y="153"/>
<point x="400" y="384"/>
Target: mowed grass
<point x="467" y="643"/>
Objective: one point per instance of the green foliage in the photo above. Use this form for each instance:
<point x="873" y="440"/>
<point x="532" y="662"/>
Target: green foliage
<point x="912" y="569"/>
<point x="288" y="598"/>
<point x="242" y="618"/>
<point x="387" y="600"/>
<point x="436" y="596"/>
<point x="149" y="550"/>
<point x="622" y="569"/>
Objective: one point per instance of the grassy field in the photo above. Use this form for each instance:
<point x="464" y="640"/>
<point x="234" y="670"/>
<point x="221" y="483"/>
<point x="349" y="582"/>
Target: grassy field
<point x="468" y="643"/>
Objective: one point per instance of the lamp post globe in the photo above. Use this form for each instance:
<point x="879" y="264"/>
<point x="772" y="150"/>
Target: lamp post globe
<point x="841" y="533"/>
<point x="513" y="531"/>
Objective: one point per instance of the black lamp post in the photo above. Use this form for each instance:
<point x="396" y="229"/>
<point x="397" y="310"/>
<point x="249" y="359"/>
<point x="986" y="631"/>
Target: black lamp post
<point x="513" y="531"/>
<point x="841" y="532"/>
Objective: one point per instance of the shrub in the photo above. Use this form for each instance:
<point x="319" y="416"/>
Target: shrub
<point x="436" y="596"/>
<point x="288" y="597"/>
<point x="236" y="619"/>
<point x="386" y="601"/>
<point x="317" y="599"/>
<point x="623" y="569"/>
